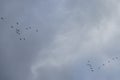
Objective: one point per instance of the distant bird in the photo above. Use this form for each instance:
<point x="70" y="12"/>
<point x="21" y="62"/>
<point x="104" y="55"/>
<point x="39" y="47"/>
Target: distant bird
<point x="17" y="23"/>
<point x="24" y="38"/>
<point x="20" y="39"/>
<point x="88" y="61"/>
<point x="92" y="70"/>
<point x="36" y="30"/>
<point x="98" y="67"/>
<point x="116" y="57"/>
<point x="89" y="65"/>
<point x="103" y="64"/>
<point x="29" y="27"/>
<point x="18" y="31"/>
<point x="12" y="27"/>
<point x="113" y="59"/>
<point x="2" y="18"/>
<point x="26" y="28"/>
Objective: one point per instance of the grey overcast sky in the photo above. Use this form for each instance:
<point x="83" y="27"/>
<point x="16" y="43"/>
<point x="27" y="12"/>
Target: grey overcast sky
<point x="59" y="39"/>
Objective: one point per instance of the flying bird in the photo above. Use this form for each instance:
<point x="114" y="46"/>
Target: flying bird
<point x="18" y="31"/>
<point x="88" y="61"/>
<point x="17" y="23"/>
<point x="113" y="59"/>
<point x="26" y="28"/>
<point x="98" y="67"/>
<point x="12" y="27"/>
<point x="108" y="61"/>
<point x="36" y="30"/>
<point x="116" y="57"/>
<point x="92" y="70"/>
<point x="29" y="27"/>
<point x="2" y="18"/>
<point x="103" y="64"/>
<point x="24" y="38"/>
<point x="89" y="65"/>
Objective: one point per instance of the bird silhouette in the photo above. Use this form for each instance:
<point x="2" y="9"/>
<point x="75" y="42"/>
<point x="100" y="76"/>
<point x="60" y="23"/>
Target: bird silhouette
<point x="36" y="30"/>
<point x="92" y="70"/>
<point x="98" y="67"/>
<point x="88" y="61"/>
<point x="26" y="28"/>
<point x="24" y="38"/>
<point x="89" y="65"/>
<point x="103" y="64"/>
<point x="2" y="18"/>
<point x="17" y="23"/>
<point x="116" y="57"/>
<point x="12" y="27"/>
<point x="18" y="31"/>
<point x="29" y="27"/>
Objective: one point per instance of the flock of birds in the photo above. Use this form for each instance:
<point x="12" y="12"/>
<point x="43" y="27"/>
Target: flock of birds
<point x="17" y="28"/>
<point x="92" y="68"/>
<point x="89" y="63"/>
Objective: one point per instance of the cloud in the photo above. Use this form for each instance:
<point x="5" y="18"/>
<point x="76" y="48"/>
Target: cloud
<point x="70" y="33"/>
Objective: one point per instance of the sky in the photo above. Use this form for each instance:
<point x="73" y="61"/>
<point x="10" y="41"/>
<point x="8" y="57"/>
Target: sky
<point x="59" y="39"/>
